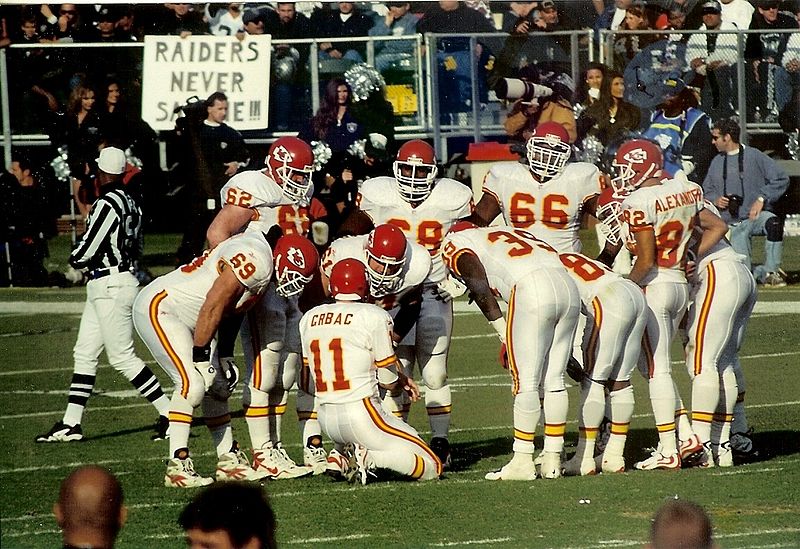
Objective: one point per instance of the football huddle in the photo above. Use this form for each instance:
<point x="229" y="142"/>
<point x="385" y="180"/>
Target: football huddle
<point x="354" y="328"/>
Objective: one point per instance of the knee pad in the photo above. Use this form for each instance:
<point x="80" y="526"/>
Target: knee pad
<point x="774" y="229"/>
<point x="197" y="388"/>
<point x="435" y="372"/>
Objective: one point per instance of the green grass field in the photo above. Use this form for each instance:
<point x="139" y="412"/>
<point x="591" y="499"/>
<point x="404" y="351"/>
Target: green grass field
<point x="755" y="505"/>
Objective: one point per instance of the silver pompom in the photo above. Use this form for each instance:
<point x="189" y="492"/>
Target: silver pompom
<point x="322" y="153"/>
<point x="793" y="144"/>
<point x="357" y="148"/>
<point x="134" y="161"/>
<point x="591" y="151"/>
<point x="60" y="164"/>
<point x="363" y="80"/>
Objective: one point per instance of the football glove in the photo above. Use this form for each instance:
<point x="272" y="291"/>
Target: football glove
<point x="207" y="371"/>
<point x="449" y="289"/>
<point x="575" y="370"/>
<point x="503" y="356"/>
<point x="225" y="380"/>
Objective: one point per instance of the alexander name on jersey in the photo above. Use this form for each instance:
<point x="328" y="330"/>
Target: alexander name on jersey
<point x="678" y="200"/>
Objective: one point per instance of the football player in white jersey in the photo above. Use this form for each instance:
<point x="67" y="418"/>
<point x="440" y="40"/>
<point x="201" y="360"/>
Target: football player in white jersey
<point x="723" y="294"/>
<point x="611" y="343"/>
<point x="658" y="218"/>
<point x="177" y="317"/>
<point x="547" y="196"/>
<point x="348" y="350"/>
<point x="396" y="269"/>
<point x="543" y="309"/>
<point x="260" y="200"/>
<point x="424" y="207"/>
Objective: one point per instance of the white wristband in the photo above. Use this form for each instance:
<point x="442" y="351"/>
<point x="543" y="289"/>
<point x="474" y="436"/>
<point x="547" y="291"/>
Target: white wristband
<point x="387" y="376"/>
<point x="499" y="326"/>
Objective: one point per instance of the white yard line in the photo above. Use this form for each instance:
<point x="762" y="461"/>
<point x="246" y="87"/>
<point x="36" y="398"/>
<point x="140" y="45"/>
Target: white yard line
<point x="470" y="542"/>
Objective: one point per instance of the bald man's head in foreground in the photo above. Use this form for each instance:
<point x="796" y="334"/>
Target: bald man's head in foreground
<point x="90" y="508"/>
<point x="681" y="524"/>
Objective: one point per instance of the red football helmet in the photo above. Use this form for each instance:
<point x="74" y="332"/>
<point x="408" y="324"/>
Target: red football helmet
<point x="415" y="170"/>
<point x="462" y="225"/>
<point x="348" y="281"/>
<point x="548" y="150"/>
<point x="290" y="162"/>
<point x="635" y="162"/>
<point x="295" y="259"/>
<point x="608" y="211"/>
<point x="385" y="250"/>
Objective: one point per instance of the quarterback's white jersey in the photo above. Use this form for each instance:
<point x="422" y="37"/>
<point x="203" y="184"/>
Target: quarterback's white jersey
<point x="669" y="209"/>
<point x="590" y="276"/>
<point x="249" y="257"/>
<point x="428" y="222"/>
<point x="550" y="211"/>
<point x="415" y="271"/>
<point x="508" y="255"/>
<point x="255" y="189"/>
<point x="343" y="345"/>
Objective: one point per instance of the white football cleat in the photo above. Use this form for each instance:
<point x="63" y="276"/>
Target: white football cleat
<point x="577" y="466"/>
<point x="360" y="464"/>
<point x="551" y="465"/>
<point x="181" y="474"/>
<point x="235" y="466"/>
<point x="611" y="464"/>
<point x="725" y="455"/>
<point x="691" y="450"/>
<point x="336" y="464"/>
<point x="516" y="469"/>
<point x="315" y="458"/>
<point x="277" y="463"/>
<point x="657" y="460"/>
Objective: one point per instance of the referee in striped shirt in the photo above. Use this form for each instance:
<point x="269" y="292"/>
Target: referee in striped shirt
<point x="107" y="251"/>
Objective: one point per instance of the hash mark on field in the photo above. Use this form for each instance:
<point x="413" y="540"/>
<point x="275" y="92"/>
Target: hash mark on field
<point x="470" y="542"/>
<point x="328" y="539"/>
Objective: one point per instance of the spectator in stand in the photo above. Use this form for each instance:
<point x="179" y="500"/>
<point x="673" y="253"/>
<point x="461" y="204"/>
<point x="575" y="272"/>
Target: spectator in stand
<point x="290" y="78"/>
<point x="27" y="224"/>
<point x="347" y="22"/>
<point x="218" y="152"/>
<point x="66" y="26"/>
<point x="127" y="26"/>
<point x="90" y="511"/>
<point x="589" y="87"/>
<point x="610" y="116"/>
<point x="519" y="18"/>
<point x="225" y="19"/>
<point x="104" y="29"/>
<point x="677" y="21"/>
<point x="745" y="184"/>
<point x="714" y="58"/>
<point x="738" y="12"/>
<point x="454" y="56"/>
<point x="684" y="133"/>
<point x="611" y="17"/>
<point x="398" y="22"/>
<point x="550" y="18"/>
<point x="626" y="46"/>
<point x="180" y="20"/>
<point x="81" y="130"/>
<point x="770" y="85"/>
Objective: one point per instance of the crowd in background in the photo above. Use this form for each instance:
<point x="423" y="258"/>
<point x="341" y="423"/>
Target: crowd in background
<point x="83" y="106"/>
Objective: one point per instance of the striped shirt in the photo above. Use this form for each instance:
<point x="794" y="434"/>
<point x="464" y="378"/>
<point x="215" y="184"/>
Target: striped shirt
<point x="112" y="232"/>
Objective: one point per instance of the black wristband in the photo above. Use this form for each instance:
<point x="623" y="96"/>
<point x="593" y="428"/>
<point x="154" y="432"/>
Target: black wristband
<point x="201" y="354"/>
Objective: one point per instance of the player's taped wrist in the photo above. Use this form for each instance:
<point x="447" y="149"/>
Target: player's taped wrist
<point x="387" y="376"/>
<point x="499" y="326"/>
<point x="201" y="354"/>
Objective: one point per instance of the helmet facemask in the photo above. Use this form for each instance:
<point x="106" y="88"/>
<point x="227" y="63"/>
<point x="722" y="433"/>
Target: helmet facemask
<point x="290" y="283"/>
<point x="415" y="179"/>
<point x="384" y="274"/>
<point x="547" y="157"/>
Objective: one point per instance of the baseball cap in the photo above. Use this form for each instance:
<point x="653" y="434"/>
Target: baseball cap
<point x="767" y="4"/>
<point x="547" y="5"/>
<point x="711" y="6"/>
<point x="107" y="14"/>
<point x="111" y="160"/>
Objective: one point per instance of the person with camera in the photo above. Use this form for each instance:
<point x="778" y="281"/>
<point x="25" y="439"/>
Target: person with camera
<point x="538" y="100"/>
<point x="745" y="184"/>
<point x="216" y="152"/>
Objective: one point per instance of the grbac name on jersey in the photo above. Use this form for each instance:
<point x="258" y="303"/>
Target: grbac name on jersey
<point x="321" y="319"/>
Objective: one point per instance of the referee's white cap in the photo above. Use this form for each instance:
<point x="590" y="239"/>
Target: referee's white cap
<point x="112" y="160"/>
